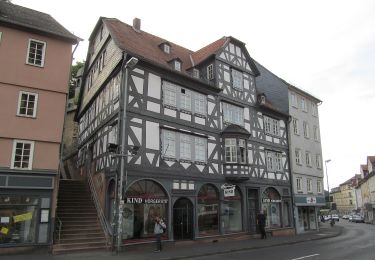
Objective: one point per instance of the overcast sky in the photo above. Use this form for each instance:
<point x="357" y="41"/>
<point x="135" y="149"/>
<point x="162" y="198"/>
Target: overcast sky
<point x="324" y="47"/>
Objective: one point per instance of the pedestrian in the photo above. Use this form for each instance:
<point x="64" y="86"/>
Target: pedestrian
<point x="158" y="231"/>
<point x="261" y="221"/>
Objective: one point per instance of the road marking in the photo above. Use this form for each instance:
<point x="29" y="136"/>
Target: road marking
<point x="303" y="257"/>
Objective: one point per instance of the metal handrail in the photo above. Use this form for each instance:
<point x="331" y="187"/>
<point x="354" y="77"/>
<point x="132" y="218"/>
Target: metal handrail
<point x="104" y="223"/>
<point x="59" y="227"/>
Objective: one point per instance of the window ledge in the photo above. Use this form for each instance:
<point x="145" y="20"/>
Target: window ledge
<point x="35" y="65"/>
<point x="185" y="111"/>
<point x="26" y="116"/>
<point x="200" y="115"/>
<point x="170" y="107"/>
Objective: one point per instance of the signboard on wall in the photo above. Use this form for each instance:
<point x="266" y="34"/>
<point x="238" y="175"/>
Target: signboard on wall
<point x="311" y="200"/>
<point x="137" y="200"/>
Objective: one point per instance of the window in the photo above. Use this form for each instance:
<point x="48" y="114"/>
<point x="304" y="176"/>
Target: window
<point x="186" y="100"/>
<point x="177" y="65"/>
<point x="308" y="159"/>
<point x="27" y="104"/>
<point x="314" y="109"/>
<point x="185" y="147"/>
<point x="166" y="48"/>
<point x="169" y="144"/>
<point x="242" y="150"/>
<point x="298" y="156"/>
<point x="169" y="94"/>
<point x="232" y="114"/>
<point x="316" y="133"/>
<point x="230" y="150"/>
<point x="200" y="103"/>
<point x="299" y="184"/>
<point x="196" y="73"/>
<point x="306" y="130"/>
<point x="36" y="52"/>
<point x="237" y="79"/>
<point x="274" y="161"/>
<point x="309" y="185"/>
<point x="319" y="186"/>
<point x="22" y="155"/>
<point x="293" y="98"/>
<point x="303" y="104"/>
<point x="295" y="126"/>
<point x="318" y="161"/>
<point x="271" y="126"/>
<point x="210" y="72"/>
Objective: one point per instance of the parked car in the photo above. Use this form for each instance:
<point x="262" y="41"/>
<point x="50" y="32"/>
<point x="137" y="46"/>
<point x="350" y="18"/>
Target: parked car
<point x="358" y="219"/>
<point x="327" y="217"/>
<point x="345" y="217"/>
<point x="350" y="218"/>
<point x="335" y="217"/>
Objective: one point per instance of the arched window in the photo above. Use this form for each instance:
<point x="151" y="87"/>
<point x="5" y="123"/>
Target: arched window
<point x="271" y="205"/>
<point x="208" y="210"/>
<point x="231" y="212"/>
<point x="144" y="200"/>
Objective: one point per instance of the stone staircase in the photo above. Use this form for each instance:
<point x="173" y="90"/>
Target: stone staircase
<point x="81" y="229"/>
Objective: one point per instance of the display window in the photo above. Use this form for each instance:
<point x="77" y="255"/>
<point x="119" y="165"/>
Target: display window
<point x="271" y="205"/>
<point x="145" y="200"/>
<point x="18" y="219"/>
<point x="208" y="210"/>
<point x="231" y="214"/>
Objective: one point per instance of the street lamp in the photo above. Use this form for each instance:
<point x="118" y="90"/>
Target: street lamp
<point x="325" y="163"/>
<point x="123" y="153"/>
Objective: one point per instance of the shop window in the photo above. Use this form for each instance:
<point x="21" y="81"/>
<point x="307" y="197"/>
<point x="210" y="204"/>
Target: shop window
<point x="231" y="215"/>
<point x="144" y="201"/>
<point x="208" y="209"/>
<point x="18" y="219"/>
<point x="271" y="205"/>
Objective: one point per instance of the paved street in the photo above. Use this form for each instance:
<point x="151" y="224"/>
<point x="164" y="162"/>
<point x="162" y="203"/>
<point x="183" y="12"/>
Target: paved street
<point x="356" y="242"/>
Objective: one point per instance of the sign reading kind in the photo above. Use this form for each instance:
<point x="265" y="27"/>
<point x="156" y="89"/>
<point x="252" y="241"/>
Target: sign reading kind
<point x="146" y="201"/>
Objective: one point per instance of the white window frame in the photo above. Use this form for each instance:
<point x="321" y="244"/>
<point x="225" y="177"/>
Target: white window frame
<point x="185" y="146"/>
<point x="237" y="79"/>
<point x="308" y="159"/>
<point x="169" y="94"/>
<point x="314" y="109"/>
<point x="303" y="104"/>
<point x="309" y="185"/>
<point x="31" y="156"/>
<point x="230" y="150"/>
<point x="43" y="53"/>
<point x="318" y="161"/>
<point x="169" y="144"/>
<point x="185" y="99"/>
<point x="196" y="73"/>
<point x="200" y="103"/>
<point x="299" y="184"/>
<point x="177" y="65"/>
<point x="166" y="48"/>
<point x="200" y="149"/>
<point x="271" y="126"/>
<point x="316" y="133"/>
<point x="298" y="156"/>
<point x="306" y="130"/>
<point x="319" y="186"/>
<point x="210" y="72"/>
<point x="27" y="103"/>
<point x="295" y="123"/>
<point x="274" y="161"/>
<point x="293" y="98"/>
<point x="233" y="114"/>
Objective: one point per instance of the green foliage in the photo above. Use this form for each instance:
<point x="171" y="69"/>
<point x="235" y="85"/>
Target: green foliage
<point x="73" y="74"/>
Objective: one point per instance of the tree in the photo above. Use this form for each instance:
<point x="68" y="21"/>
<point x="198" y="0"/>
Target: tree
<point x="73" y="75"/>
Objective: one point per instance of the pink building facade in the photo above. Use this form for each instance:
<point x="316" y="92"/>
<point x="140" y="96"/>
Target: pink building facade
<point x="36" y="55"/>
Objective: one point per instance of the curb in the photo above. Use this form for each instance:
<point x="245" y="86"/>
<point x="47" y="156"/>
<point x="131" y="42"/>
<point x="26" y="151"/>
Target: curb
<point x="253" y="247"/>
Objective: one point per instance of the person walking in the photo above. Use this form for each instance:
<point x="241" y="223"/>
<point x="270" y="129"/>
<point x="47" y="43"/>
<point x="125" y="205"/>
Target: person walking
<point x="261" y="221"/>
<point x="158" y="231"/>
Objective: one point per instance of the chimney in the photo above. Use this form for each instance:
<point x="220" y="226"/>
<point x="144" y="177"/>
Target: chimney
<point x="137" y="24"/>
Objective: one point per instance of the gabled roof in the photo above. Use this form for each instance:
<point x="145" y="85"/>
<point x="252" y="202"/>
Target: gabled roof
<point x="209" y="50"/>
<point x="146" y="46"/>
<point x="18" y="16"/>
<point x="364" y="167"/>
<point x="371" y="159"/>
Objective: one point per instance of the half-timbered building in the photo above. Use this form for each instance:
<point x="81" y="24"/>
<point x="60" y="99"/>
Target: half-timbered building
<point x="203" y="148"/>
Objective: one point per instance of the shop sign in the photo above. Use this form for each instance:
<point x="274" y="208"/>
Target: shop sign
<point x="271" y="201"/>
<point x="23" y="217"/>
<point x="311" y="200"/>
<point x="136" y="200"/>
<point x="229" y="192"/>
<point x="4" y="230"/>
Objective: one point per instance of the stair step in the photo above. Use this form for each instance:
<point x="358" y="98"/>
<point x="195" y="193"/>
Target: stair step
<point x="81" y="244"/>
<point x="82" y="235"/>
<point x="79" y="229"/>
<point x="65" y="240"/>
<point x="60" y="251"/>
<point x="82" y="231"/>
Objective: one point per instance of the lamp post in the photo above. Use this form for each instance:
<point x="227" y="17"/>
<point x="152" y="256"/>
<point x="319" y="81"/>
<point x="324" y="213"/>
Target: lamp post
<point x="123" y="153"/>
<point x="325" y="163"/>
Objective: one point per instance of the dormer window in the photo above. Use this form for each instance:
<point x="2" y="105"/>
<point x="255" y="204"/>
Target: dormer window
<point x="210" y="72"/>
<point x="166" y="48"/>
<point x="177" y="65"/>
<point x="196" y="73"/>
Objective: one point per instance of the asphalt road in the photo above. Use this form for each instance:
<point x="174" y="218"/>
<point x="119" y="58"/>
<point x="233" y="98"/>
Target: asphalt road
<point x="357" y="242"/>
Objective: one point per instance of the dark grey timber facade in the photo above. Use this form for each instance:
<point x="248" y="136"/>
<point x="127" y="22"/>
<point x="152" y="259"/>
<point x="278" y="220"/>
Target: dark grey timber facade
<point x="211" y="150"/>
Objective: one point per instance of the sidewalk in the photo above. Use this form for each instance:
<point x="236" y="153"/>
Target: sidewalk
<point x="191" y="249"/>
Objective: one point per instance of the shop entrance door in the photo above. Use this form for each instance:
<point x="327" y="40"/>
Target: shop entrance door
<point x="253" y="206"/>
<point x="306" y="218"/>
<point x="183" y="219"/>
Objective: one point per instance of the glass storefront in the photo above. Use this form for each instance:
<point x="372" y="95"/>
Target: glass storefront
<point x="208" y="210"/>
<point x="18" y="219"/>
<point x="231" y="215"/>
<point x="144" y="201"/>
<point x="271" y="205"/>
